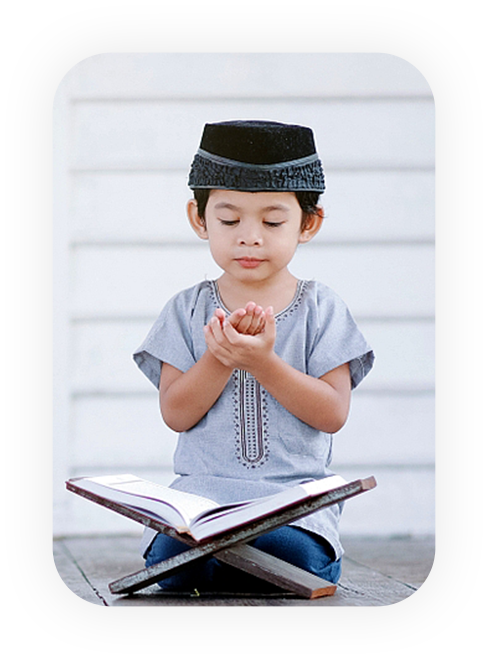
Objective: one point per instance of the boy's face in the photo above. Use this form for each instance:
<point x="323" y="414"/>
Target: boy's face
<point x="252" y="235"/>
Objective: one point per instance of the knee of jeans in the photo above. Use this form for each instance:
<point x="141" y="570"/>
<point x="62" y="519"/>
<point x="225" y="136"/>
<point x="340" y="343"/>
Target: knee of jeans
<point x="283" y="543"/>
<point x="299" y="547"/>
<point x="163" y="547"/>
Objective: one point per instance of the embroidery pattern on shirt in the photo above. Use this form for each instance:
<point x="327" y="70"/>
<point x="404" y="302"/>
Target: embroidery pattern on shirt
<point x="250" y="421"/>
<point x="250" y="403"/>
<point x="301" y="288"/>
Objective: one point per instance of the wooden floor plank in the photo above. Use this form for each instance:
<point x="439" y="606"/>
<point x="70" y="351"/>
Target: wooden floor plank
<point x="407" y="559"/>
<point x="71" y="574"/>
<point x="376" y="572"/>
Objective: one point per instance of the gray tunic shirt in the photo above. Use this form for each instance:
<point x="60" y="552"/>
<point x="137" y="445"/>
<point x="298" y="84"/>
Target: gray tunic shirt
<point x="248" y="445"/>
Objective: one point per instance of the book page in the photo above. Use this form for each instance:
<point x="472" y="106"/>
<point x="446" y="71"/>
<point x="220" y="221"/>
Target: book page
<point x="228" y="517"/>
<point x="323" y="485"/>
<point x="192" y="504"/>
<point x="189" y="505"/>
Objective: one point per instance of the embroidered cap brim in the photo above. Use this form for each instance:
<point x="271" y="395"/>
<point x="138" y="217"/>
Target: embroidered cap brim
<point x="257" y="156"/>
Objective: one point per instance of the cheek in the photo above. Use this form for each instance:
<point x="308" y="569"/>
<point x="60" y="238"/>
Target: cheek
<point x="287" y="244"/>
<point x="218" y="250"/>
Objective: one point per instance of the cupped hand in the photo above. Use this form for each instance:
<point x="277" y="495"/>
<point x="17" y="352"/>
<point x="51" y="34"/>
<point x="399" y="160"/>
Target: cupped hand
<point x="248" y="320"/>
<point x="240" y="350"/>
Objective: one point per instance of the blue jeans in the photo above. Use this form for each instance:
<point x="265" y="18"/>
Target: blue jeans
<point x="294" y="545"/>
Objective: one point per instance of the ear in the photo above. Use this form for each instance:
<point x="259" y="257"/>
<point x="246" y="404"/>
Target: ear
<point x="312" y="227"/>
<point x="197" y="222"/>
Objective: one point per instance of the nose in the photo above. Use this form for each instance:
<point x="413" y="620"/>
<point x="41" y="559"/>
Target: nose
<point x="250" y="235"/>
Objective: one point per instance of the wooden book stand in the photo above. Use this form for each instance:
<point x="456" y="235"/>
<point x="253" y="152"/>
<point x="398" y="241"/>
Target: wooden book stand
<point x="231" y="548"/>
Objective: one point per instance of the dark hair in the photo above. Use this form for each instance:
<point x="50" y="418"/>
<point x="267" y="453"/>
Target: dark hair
<point x="308" y="202"/>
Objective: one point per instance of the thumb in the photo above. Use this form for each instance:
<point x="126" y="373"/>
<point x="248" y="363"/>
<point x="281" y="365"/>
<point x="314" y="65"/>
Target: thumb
<point x="269" y="321"/>
<point x="229" y="330"/>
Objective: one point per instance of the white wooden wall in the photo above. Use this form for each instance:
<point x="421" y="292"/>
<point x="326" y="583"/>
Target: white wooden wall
<point x="126" y="128"/>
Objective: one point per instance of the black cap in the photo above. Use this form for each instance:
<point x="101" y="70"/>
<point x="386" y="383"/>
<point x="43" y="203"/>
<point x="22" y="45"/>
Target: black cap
<point x="257" y="156"/>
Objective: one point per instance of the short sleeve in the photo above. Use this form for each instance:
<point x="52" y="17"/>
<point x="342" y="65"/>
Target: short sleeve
<point x="337" y="340"/>
<point x="169" y="340"/>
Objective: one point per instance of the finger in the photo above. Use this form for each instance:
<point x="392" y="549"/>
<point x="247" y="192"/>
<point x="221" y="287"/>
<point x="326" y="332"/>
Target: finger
<point x="238" y="319"/>
<point x="216" y="327"/>
<point x="215" y="349"/>
<point x="231" y="334"/>
<point x="220" y="314"/>
<point x="253" y="323"/>
<point x="269" y="320"/>
<point x="215" y="338"/>
<point x="261" y="325"/>
<point x="245" y="325"/>
<point x="252" y="319"/>
<point x="250" y="306"/>
<point x="209" y="338"/>
<point x="257" y="324"/>
<point x="208" y="332"/>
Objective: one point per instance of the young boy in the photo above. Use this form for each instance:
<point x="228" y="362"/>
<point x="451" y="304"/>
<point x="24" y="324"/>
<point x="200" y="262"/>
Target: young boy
<point x="255" y="369"/>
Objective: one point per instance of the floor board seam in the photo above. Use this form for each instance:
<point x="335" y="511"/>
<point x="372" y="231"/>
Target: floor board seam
<point x="81" y="571"/>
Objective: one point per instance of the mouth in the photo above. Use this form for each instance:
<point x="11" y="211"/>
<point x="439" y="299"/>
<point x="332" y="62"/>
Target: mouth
<point x="248" y="262"/>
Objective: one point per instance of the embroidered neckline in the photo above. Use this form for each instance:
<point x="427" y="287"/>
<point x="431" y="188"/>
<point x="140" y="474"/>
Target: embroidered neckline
<point x="284" y="313"/>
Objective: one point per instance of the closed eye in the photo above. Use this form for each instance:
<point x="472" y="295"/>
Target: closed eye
<point x="273" y="224"/>
<point x="229" y="223"/>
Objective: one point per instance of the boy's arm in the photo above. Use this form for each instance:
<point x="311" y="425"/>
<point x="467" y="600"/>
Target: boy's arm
<point x="185" y="398"/>
<point x="321" y="402"/>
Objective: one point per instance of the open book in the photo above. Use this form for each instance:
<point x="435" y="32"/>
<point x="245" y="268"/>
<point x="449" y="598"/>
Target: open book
<point x="195" y="515"/>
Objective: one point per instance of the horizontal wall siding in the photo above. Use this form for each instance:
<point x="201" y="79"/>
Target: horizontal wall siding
<point x="163" y="134"/>
<point x="127" y="127"/>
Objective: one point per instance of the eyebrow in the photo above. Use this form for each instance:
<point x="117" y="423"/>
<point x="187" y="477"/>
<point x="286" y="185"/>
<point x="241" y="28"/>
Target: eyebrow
<point x="277" y="207"/>
<point x="266" y="209"/>
<point x="224" y="204"/>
